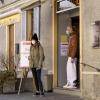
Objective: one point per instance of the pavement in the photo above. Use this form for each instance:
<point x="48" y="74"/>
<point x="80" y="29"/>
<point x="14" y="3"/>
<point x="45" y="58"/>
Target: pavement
<point x="29" y="96"/>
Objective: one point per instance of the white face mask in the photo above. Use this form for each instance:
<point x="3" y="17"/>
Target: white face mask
<point x="67" y="32"/>
<point x="33" y="42"/>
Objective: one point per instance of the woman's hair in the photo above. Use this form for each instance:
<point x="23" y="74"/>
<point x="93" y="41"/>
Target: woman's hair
<point x="35" y="37"/>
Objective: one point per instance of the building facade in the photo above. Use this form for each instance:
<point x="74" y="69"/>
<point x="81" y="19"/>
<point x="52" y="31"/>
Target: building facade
<point x="49" y="18"/>
<point x="90" y="48"/>
<point x="89" y="40"/>
<point x="18" y="21"/>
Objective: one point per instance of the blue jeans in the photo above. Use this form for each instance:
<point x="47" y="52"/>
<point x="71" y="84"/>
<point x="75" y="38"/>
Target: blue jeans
<point x="37" y="79"/>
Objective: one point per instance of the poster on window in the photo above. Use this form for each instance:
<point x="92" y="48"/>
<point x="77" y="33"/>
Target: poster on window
<point x="24" y="53"/>
<point x="96" y="31"/>
<point x="63" y="49"/>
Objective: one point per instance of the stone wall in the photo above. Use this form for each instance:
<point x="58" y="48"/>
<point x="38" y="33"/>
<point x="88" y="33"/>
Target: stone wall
<point x="2" y="39"/>
<point x="91" y="56"/>
<point x="46" y="33"/>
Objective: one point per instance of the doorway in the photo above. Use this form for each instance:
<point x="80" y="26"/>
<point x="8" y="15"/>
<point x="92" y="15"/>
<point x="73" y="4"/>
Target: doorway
<point x="63" y="22"/>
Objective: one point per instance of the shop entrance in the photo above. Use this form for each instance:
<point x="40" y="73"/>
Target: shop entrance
<point x="63" y="21"/>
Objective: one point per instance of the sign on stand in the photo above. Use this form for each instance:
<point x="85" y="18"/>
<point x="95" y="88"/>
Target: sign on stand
<point x="24" y="54"/>
<point x="24" y="58"/>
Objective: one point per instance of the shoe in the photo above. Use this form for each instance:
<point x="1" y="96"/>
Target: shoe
<point x="71" y="87"/>
<point x="36" y="94"/>
<point x="65" y="86"/>
<point x="42" y="94"/>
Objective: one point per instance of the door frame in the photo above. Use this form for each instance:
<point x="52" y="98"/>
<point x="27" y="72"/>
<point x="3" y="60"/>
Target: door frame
<point x="7" y="42"/>
<point x="55" y="43"/>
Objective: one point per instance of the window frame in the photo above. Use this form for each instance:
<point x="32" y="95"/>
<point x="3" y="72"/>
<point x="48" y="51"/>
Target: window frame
<point x="27" y="32"/>
<point x="96" y="33"/>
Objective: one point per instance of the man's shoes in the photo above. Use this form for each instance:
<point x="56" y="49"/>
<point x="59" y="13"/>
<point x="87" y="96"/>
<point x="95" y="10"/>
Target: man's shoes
<point x="65" y="86"/>
<point x="71" y="87"/>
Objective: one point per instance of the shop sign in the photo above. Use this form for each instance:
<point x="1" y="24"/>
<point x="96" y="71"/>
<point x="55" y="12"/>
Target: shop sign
<point x="24" y="53"/>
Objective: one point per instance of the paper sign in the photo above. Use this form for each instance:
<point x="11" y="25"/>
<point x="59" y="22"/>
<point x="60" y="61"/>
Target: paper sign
<point x="24" y="53"/>
<point x="63" y="49"/>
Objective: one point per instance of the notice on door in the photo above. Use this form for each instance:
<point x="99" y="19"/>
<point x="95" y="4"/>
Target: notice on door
<point x="63" y="49"/>
<point x="24" y="53"/>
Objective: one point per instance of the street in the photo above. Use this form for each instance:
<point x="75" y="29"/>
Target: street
<point x="29" y="96"/>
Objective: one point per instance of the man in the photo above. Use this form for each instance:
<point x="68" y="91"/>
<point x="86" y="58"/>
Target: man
<point x="72" y="57"/>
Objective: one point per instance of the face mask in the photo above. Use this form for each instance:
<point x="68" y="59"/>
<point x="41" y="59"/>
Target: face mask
<point x="33" y="41"/>
<point x="67" y="32"/>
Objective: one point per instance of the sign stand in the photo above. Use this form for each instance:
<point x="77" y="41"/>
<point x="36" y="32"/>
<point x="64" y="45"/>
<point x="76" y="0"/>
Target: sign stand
<point x="20" y="85"/>
<point x="24" y="61"/>
<point x="21" y="80"/>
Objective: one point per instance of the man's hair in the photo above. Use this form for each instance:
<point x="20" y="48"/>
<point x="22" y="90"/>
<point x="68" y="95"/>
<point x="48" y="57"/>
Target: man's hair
<point x="74" y="28"/>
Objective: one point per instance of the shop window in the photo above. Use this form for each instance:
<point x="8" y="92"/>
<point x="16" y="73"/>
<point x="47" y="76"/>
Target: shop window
<point x="96" y="30"/>
<point x="23" y="26"/>
<point x="31" y="23"/>
<point x="36" y="21"/>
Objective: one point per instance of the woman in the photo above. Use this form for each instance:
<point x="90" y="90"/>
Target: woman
<point x="36" y="63"/>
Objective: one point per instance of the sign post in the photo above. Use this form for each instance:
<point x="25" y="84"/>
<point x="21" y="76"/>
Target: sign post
<point x="24" y="59"/>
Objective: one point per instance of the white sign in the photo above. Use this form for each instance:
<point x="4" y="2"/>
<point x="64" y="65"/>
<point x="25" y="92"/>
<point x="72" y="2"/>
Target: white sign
<point x="24" y="53"/>
<point x="63" y="49"/>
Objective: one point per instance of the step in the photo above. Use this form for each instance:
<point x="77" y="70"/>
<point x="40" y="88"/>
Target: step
<point x="74" y="92"/>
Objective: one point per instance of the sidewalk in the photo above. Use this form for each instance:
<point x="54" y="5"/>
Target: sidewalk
<point x="48" y="96"/>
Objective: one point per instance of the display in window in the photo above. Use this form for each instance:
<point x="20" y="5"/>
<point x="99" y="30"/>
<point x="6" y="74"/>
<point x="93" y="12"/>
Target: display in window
<point x="96" y="30"/>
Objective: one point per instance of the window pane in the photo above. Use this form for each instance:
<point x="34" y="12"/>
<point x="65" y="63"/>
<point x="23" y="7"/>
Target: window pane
<point x="29" y="24"/>
<point x="23" y="29"/>
<point x="96" y="34"/>
<point x="36" y="20"/>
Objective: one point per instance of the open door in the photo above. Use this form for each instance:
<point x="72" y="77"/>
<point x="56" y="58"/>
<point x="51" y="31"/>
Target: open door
<point x="63" y="21"/>
<point x="75" y="22"/>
